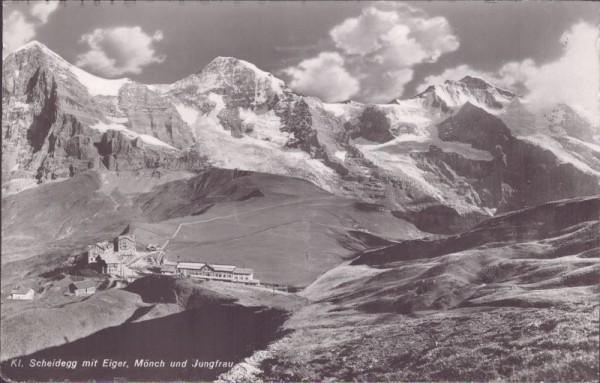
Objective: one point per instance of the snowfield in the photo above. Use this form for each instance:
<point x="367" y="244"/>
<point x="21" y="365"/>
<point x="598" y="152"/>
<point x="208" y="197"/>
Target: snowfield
<point x="187" y="114"/>
<point x="97" y="86"/>
<point x="563" y="156"/>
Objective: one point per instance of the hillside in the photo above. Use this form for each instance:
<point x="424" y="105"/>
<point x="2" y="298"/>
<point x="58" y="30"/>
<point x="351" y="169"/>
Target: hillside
<point x="515" y="298"/>
<point x="288" y="230"/>
<point x="115" y="324"/>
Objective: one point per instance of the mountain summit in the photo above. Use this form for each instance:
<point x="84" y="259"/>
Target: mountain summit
<point x="454" y="147"/>
<point x="469" y="89"/>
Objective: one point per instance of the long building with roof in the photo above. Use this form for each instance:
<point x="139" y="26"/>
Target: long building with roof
<point x="228" y="273"/>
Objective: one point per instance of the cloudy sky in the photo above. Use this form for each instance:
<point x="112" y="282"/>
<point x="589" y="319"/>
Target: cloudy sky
<point x="366" y="51"/>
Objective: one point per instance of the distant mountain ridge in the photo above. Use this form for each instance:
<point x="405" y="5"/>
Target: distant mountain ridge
<point x="464" y="147"/>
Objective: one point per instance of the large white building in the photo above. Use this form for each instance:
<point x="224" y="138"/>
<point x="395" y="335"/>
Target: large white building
<point x="227" y="273"/>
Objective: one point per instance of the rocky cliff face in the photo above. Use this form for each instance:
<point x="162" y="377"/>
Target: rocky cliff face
<point x="58" y="120"/>
<point x="464" y="148"/>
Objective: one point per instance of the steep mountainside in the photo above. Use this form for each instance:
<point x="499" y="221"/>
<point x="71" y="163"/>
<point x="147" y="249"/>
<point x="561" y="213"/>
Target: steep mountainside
<point x="455" y="148"/>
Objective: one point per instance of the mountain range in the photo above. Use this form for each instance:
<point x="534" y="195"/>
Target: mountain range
<point x="450" y="236"/>
<point x="445" y="159"/>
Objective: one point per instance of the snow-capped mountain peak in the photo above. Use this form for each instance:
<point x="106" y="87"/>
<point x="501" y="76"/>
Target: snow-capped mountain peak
<point x="35" y="52"/>
<point x="59" y="120"/>
<point x="227" y="77"/>
<point x="474" y="90"/>
<point x="231" y="70"/>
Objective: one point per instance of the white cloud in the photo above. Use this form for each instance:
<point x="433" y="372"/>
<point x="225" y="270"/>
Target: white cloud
<point x="323" y="76"/>
<point x="395" y="34"/>
<point x="19" y="29"/>
<point x="573" y="79"/>
<point x="120" y="50"/>
<point x="380" y="47"/>
<point x="42" y="10"/>
<point x="361" y="35"/>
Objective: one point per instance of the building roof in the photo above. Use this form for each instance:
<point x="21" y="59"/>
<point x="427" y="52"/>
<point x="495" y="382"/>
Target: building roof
<point x="223" y="268"/>
<point x="130" y="237"/>
<point x="243" y="270"/>
<point x="190" y="265"/>
<point x="84" y="284"/>
<point x="111" y="258"/>
<point x="171" y="268"/>
<point x="21" y="290"/>
<point x="217" y="268"/>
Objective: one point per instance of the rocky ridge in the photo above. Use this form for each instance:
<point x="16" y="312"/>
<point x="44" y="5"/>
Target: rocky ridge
<point x="457" y="148"/>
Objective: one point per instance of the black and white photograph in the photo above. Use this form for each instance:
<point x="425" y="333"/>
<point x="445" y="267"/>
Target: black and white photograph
<point x="300" y="191"/>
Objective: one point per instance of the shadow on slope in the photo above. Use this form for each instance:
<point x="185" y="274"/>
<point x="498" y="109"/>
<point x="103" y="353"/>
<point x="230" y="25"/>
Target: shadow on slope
<point x="538" y="257"/>
<point x="227" y="333"/>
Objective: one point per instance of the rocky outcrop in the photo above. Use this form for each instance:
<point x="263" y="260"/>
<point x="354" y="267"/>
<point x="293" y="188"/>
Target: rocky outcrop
<point x="296" y="119"/>
<point x="50" y="120"/>
<point x="371" y="125"/>
<point x="474" y="126"/>
<point x="119" y="152"/>
<point x="149" y="113"/>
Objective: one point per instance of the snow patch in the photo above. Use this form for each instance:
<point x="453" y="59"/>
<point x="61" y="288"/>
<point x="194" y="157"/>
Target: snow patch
<point x="21" y="105"/>
<point x="593" y="147"/>
<point x="254" y="154"/>
<point x="219" y="104"/>
<point x="154" y="141"/>
<point x="118" y="120"/>
<point x="343" y="111"/>
<point x="408" y="112"/>
<point x="160" y="88"/>
<point x="340" y="155"/>
<point x="187" y="114"/>
<point x="264" y="127"/>
<point x="398" y="161"/>
<point x="104" y="127"/>
<point x="97" y="86"/>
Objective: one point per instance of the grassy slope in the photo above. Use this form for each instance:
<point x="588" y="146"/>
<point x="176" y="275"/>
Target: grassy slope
<point x="41" y="241"/>
<point x="516" y="298"/>
<point x="289" y="233"/>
